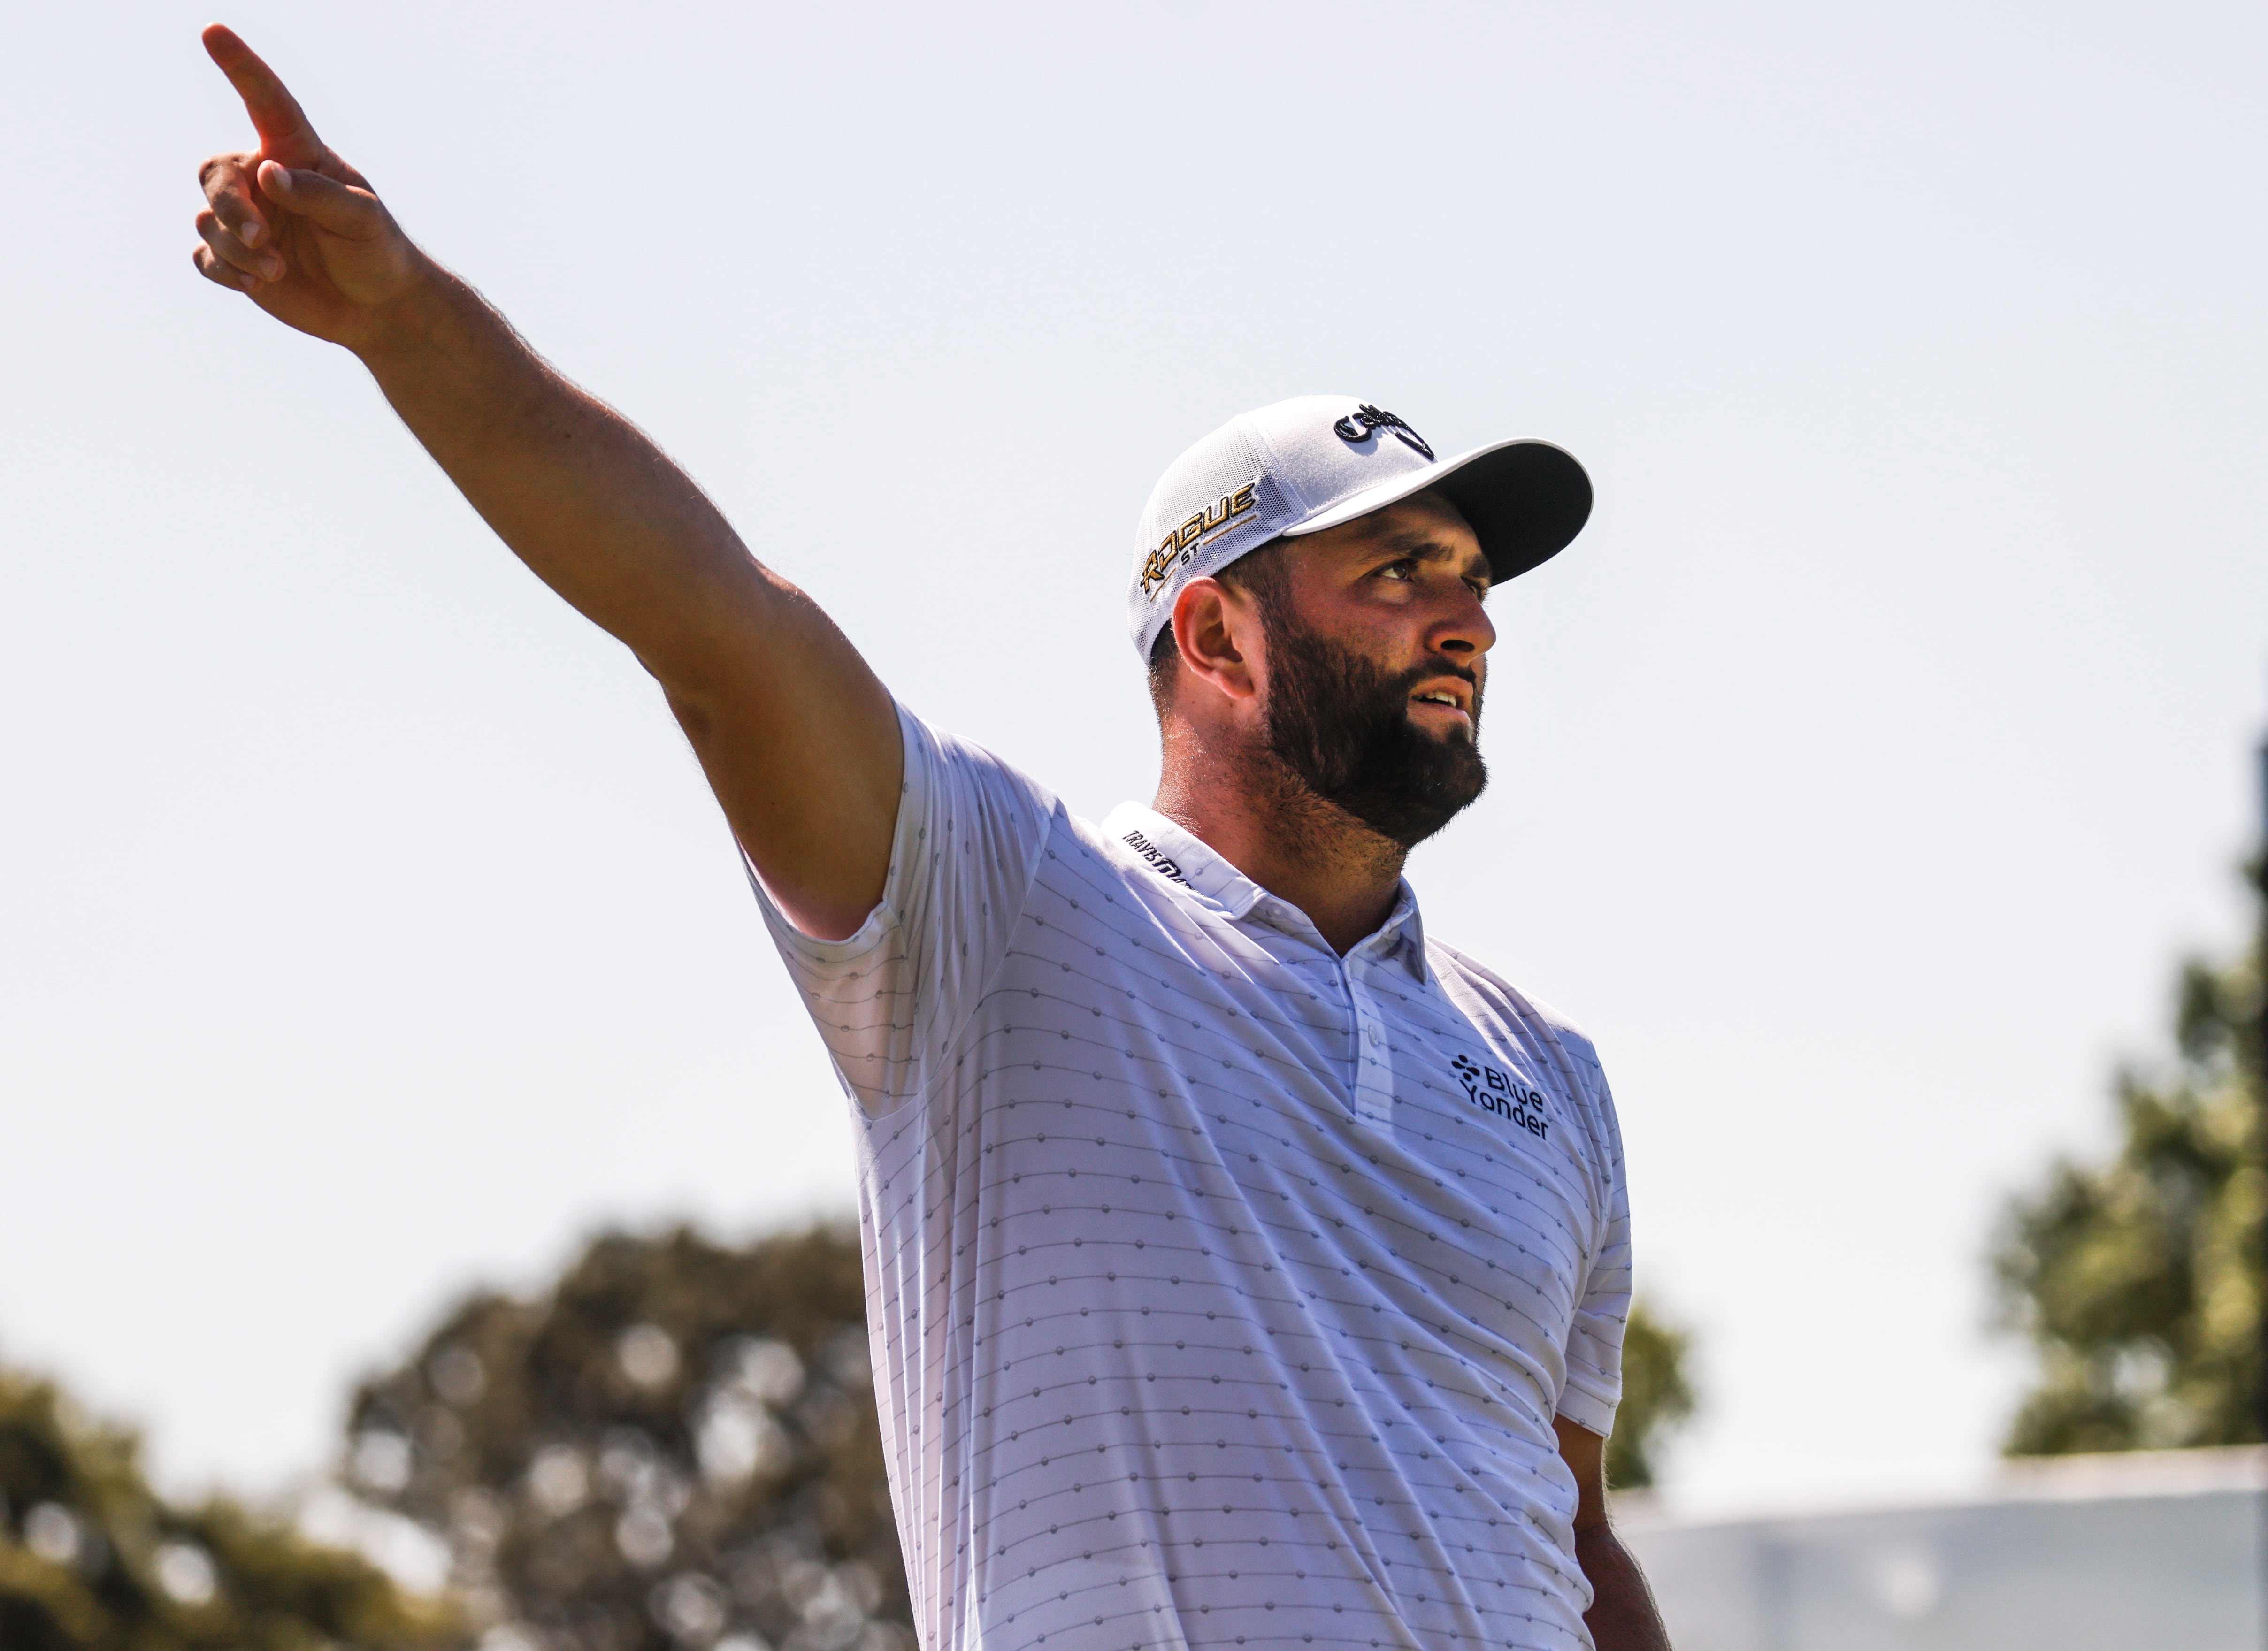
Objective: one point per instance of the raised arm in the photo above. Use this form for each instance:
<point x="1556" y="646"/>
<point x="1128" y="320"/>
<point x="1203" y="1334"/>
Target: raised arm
<point x="798" y="738"/>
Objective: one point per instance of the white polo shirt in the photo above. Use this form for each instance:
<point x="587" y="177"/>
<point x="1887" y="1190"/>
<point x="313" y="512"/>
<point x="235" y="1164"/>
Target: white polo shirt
<point x="1222" y="1290"/>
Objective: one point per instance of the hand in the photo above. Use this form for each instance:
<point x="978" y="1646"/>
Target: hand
<point x="293" y="225"/>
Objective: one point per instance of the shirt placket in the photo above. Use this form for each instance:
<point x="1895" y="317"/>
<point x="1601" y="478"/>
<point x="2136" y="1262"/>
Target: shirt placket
<point x="1374" y="1066"/>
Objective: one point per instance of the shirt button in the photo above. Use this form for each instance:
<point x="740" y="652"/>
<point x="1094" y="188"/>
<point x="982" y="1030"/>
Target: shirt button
<point x="1372" y="1031"/>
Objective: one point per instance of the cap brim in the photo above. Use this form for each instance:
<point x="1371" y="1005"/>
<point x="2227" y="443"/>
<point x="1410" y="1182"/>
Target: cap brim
<point x="1526" y="500"/>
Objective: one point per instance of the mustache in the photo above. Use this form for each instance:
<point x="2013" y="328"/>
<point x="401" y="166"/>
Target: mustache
<point x="1440" y="666"/>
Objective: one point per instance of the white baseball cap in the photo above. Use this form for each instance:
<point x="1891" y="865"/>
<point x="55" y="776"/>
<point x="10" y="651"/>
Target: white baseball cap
<point x="1315" y="462"/>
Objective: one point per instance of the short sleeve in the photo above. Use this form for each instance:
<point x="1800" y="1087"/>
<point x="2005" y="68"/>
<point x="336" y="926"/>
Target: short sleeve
<point x="1593" y="1387"/>
<point x="891" y="999"/>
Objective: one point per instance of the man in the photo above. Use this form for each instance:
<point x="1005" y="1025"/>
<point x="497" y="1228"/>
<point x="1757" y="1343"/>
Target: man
<point x="1247" y="1268"/>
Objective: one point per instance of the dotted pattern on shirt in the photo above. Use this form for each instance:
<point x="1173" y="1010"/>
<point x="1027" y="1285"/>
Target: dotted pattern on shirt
<point x="1173" y="1347"/>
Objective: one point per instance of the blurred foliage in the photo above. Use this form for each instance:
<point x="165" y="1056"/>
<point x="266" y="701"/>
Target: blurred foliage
<point x="92" y="1560"/>
<point x="1657" y="1397"/>
<point x="2139" y="1281"/>
<point x="675" y="1447"/>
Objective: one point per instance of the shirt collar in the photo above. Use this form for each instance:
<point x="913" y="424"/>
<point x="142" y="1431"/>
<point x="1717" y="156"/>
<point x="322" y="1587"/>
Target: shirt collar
<point x="1180" y="855"/>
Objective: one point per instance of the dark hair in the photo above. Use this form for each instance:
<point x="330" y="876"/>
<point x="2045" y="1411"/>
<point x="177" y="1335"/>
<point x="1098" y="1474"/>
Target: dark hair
<point x="1259" y="573"/>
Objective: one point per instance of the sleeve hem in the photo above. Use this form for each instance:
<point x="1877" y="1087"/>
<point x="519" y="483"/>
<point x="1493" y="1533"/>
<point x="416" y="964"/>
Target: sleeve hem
<point x="1587" y="1409"/>
<point x="810" y="946"/>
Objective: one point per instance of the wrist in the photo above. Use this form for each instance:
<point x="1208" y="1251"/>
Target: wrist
<point x="411" y="323"/>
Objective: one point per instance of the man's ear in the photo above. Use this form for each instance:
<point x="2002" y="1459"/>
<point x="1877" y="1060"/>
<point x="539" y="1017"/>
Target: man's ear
<point x="1217" y="628"/>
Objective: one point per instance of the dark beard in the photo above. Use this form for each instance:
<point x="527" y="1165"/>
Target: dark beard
<point x="1342" y="725"/>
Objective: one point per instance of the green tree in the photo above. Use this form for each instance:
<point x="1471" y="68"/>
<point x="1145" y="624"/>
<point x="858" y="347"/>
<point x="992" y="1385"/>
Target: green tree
<point x="2139" y="1280"/>
<point x="1658" y="1397"/>
<point x="92" y="1560"/>
<point x="675" y="1446"/>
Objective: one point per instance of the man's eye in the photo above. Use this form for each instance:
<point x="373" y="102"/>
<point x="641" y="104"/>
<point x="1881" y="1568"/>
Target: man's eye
<point x="1406" y="568"/>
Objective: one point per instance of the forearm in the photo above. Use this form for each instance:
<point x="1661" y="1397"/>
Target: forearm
<point x="579" y="493"/>
<point x="1622" y="1617"/>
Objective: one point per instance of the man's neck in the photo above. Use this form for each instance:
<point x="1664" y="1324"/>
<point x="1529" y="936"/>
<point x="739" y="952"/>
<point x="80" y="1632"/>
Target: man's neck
<point x="1263" y="819"/>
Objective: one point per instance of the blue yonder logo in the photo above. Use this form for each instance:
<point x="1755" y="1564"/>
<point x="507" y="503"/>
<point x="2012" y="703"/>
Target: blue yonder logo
<point x="1502" y="1093"/>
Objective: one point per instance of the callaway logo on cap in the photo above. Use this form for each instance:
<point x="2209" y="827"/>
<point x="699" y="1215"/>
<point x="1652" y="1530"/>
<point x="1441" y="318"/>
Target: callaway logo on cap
<point x="1315" y="462"/>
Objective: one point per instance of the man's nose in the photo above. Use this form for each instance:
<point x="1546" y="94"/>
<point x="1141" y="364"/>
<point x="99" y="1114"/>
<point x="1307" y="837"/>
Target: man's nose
<point x="1465" y="631"/>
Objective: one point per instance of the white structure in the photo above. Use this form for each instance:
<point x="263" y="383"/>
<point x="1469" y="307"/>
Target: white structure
<point x="2129" y="1552"/>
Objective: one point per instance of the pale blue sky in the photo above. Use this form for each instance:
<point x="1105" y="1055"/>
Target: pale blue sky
<point x="1860" y="772"/>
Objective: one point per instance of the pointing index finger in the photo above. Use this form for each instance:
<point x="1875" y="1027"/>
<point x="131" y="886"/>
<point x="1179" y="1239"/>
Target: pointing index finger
<point x="284" y="132"/>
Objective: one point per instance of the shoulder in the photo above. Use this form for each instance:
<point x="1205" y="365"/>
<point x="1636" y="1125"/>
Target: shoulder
<point x="965" y="807"/>
<point x="1454" y="966"/>
<point x="932" y="753"/>
<point x="972" y="806"/>
<point x="1461" y="974"/>
<point x="1127" y="870"/>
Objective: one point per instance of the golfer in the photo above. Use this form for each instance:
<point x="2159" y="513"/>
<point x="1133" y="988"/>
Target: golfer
<point x="1247" y="1268"/>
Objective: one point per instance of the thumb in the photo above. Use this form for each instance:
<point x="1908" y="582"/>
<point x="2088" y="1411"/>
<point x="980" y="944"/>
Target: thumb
<point x="324" y="202"/>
